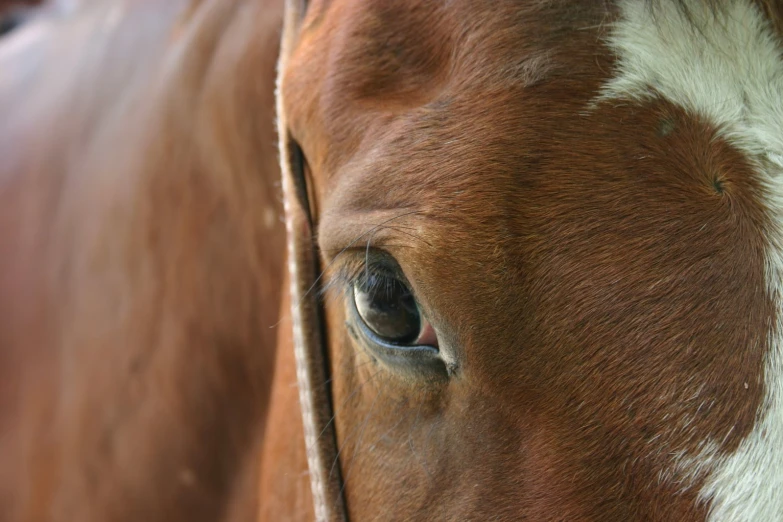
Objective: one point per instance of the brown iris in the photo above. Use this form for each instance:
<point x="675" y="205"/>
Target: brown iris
<point x="388" y="308"/>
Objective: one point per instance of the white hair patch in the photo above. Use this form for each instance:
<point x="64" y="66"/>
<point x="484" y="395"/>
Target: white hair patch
<point x="726" y="68"/>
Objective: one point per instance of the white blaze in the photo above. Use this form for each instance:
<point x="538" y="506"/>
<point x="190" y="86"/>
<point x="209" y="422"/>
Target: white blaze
<point x="728" y="70"/>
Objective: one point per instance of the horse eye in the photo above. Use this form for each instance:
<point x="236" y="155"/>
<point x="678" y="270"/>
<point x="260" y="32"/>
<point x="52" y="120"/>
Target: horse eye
<point x="388" y="308"/>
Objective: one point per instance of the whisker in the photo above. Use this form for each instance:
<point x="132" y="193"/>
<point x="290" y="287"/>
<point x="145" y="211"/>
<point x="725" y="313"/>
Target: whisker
<point x="350" y="245"/>
<point x="373" y="230"/>
<point x="394" y="245"/>
<point x="358" y="443"/>
<point x="343" y="404"/>
<point x="328" y="381"/>
<point x="347" y="438"/>
<point x="394" y="426"/>
<point x="409" y="234"/>
<point x="413" y="449"/>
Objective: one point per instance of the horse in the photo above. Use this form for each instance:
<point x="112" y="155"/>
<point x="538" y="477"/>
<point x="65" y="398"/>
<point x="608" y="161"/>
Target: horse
<point x="532" y="267"/>
<point x="142" y="248"/>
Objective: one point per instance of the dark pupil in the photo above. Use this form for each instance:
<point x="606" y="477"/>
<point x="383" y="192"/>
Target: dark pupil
<point x="387" y="307"/>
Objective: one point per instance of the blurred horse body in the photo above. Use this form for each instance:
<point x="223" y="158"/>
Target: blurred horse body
<point x="141" y="258"/>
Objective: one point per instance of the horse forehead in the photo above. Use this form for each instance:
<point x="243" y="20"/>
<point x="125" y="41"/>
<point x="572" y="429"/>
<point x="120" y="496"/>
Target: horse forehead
<point x="400" y="103"/>
<point x="371" y="94"/>
<point x="360" y="65"/>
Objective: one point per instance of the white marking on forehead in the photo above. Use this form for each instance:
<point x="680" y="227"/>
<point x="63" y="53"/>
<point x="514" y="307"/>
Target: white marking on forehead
<point x="729" y="72"/>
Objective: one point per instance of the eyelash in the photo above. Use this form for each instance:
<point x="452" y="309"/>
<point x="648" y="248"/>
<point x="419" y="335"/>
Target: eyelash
<point x="358" y="270"/>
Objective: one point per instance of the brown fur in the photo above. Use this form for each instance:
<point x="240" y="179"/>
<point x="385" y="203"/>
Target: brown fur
<point x="140" y="267"/>
<point x="599" y="277"/>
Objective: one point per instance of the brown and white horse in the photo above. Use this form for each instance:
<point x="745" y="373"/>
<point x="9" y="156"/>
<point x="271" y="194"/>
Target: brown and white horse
<point x="546" y="240"/>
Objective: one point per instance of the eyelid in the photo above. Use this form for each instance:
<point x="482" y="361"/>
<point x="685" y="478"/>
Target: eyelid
<point x="426" y="356"/>
<point x="350" y="266"/>
<point x="346" y="269"/>
<point x="340" y="231"/>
